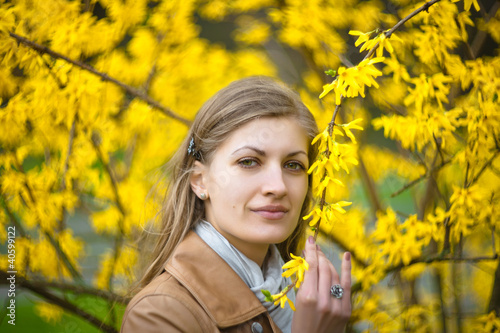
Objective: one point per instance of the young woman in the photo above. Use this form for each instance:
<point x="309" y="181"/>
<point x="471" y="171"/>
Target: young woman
<point x="238" y="190"/>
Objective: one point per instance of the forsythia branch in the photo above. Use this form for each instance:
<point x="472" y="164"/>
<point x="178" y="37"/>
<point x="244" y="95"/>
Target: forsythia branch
<point x="416" y="181"/>
<point x="52" y="298"/>
<point x="332" y="237"/>
<point x="424" y="7"/>
<point x="437" y="258"/>
<point x="12" y="217"/>
<point x="485" y="166"/>
<point x="80" y="289"/>
<point x="129" y="89"/>
<point x="109" y="171"/>
<point x="74" y="272"/>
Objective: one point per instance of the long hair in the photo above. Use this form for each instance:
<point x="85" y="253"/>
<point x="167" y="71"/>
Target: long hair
<point x="237" y="104"/>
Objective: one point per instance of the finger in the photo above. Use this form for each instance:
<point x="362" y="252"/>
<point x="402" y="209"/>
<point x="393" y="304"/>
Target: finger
<point x="334" y="274"/>
<point x="345" y="280"/>
<point x="324" y="282"/>
<point x="311" y="275"/>
<point x="335" y="304"/>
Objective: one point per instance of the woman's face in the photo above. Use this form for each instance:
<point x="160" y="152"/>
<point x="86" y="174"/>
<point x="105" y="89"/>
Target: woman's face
<point x="256" y="184"/>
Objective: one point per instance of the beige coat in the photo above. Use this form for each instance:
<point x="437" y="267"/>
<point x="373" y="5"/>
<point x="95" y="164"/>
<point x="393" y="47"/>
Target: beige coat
<point x="198" y="292"/>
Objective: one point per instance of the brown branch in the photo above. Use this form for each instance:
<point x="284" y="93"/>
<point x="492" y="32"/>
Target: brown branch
<point x="118" y="242"/>
<point x="486" y="165"/>
<point x="12" y="217"/>
<point x="105" y="77"/>
<point x="65" y="259"/>
<point x="437" y="258"/>
<point x="388" y="34"/>
<point x="494" y="303"/>
<point x="369" y="185"/>
<point x="66" y="168"/>
<point x="70" y="149"/>
<point x="331" y="124"/>
<point x="109" y="171"/>
<point x="341" y="242"/>
<point x="419" y="179"/>
<point x="480" y="37"/>
<point x="77" y="289"/>
<point x="59" y="301"/>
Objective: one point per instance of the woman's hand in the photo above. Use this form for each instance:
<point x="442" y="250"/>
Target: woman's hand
<point x="316" y="309"/>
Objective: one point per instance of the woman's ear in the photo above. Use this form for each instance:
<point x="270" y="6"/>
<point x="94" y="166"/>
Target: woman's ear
<point x="197" y="180"/>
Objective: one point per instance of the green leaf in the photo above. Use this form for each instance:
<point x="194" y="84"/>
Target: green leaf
<point x="331" y="72"/>
<point x="266" y="293"/>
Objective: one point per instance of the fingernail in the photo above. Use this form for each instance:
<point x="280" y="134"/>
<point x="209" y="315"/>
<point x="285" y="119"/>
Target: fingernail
<point x="311" y="240"/>
<point x="347" y="256"/>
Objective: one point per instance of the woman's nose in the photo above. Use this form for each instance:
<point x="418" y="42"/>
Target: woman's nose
<point x="273" y="183"/>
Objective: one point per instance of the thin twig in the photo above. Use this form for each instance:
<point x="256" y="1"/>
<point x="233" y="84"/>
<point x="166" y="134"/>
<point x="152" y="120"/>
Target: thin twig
<point x="344" y="247"/>
<point x="486" y="165"/>
<point x="493" y="240"/>
<point x="419" y="179"/>
<point x="437" y="258"/>
<point x="109" y="171"/>
<point x="53" y="241"/>
<point x="388" y="34"/>
<point x="70" y="150"/>
<point x="12" y="217"/>
<point x="105" y="77"/>
<point x="66" y="168"/>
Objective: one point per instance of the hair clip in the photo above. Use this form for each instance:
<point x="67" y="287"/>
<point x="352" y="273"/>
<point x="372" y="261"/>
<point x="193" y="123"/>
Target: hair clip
<point x="192" y="150"/>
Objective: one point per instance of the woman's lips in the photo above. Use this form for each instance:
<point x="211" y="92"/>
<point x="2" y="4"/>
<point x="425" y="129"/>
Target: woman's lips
<point x="271" y="212"/>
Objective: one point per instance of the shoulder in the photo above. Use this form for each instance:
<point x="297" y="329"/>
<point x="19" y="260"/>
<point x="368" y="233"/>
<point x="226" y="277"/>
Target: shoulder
<point x="164" y="305"/>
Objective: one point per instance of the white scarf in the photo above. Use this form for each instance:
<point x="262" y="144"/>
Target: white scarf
<point x="256" y="279"/>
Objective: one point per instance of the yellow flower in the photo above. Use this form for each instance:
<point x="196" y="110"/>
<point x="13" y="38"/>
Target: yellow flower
<point x="316" y="215"/>
<point x="334" y="212"/>
<point x="341" y="155"/>
<point x="363" y="37"/>
<point x="352" y="125"/>
<point x="282" y="299"/>
<point x="327" y="183"/>
<point x="297" y="266"/>
<point x="351" y="81"/>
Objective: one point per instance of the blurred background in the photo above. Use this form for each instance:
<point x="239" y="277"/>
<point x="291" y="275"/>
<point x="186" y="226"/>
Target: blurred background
<point x="96" y="96"/>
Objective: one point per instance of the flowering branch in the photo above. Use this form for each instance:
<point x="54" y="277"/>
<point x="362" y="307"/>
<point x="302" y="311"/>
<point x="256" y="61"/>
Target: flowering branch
<point x="430" y="260"/>
<point x="105" y="77"/>
<point x="419" y="179"/>
<point x="54" y="242"/>
<point x="77" y="289"/>
<point x="59" y="301"/>
<point x="388" y="33"/>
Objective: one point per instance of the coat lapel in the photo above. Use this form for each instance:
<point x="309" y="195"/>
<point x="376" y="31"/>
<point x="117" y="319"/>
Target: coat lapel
<point x="214" y="284"/>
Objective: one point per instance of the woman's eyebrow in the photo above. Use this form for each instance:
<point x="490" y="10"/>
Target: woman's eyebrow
<point x="255" y="149"/>
<point x="297" y="153"/>
<point x="263" y="153"/>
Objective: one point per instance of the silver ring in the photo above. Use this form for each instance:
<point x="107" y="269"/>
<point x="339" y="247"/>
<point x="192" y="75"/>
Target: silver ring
<point x="337" y="291"/>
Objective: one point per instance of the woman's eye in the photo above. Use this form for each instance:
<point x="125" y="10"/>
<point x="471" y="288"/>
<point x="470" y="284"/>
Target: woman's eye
<point x="294" y="166"/>
<point x="247" y="163"/>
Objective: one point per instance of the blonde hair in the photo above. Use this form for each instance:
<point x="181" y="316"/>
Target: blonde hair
<point x="230" y="108"/>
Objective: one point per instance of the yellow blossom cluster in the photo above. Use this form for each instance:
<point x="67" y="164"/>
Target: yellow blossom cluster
<point x="294" y="268"/>
<point x="85" y="96"/>
<point x="95" y="96"/>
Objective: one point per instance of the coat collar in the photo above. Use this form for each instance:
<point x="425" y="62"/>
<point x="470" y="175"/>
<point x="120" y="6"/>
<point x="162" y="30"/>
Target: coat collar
<point x="214" y="284"/>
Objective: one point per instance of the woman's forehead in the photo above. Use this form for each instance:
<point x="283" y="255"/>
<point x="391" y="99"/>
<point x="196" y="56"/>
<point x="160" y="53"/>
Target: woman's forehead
<point x="268" y="133"/>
